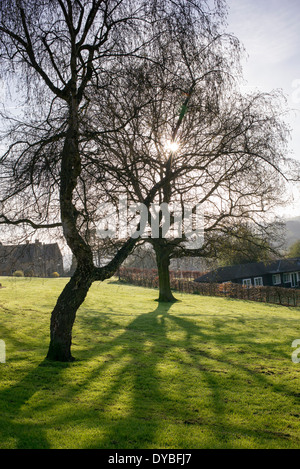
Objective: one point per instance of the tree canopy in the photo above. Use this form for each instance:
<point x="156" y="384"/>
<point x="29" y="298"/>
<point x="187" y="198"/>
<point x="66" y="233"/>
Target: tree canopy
<point x="212" y="148"/>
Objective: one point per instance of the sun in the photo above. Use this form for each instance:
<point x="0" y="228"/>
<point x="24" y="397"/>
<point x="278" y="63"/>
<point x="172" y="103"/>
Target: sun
<point x="172" y="146"/>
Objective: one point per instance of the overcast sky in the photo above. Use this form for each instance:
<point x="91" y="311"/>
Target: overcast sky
<point x="270" y="33"/>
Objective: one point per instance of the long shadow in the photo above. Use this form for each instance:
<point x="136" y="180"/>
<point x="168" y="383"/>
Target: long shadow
<point x="222" y="428"/>
<point x="16" y="425"/>
<point x="142" y="349"/>
<point x="138" y="352"/>
<point x="130" y="399"/>
<point x="129" y="347"/>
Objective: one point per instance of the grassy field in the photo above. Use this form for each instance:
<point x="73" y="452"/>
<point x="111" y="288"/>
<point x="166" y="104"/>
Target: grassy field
<point x="201" y="373"/>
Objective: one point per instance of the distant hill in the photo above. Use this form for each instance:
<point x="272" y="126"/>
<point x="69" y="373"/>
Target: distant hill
<point x="292" y="231"/>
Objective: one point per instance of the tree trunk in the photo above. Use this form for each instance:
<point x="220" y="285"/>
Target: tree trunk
<point x="163" y="263"/>
<point x="74" y="293"/>
<point x="64" y="313"/>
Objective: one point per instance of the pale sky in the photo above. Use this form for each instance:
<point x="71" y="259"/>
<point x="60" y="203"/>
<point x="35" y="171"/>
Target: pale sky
<point x="270" y="33"/>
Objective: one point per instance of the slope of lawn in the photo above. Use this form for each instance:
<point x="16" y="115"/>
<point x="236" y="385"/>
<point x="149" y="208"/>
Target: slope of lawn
<point x="201" y="373"/>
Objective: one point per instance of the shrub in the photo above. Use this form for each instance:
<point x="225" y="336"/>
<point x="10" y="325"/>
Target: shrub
<point x="18" y="273"/>
<point x="55" y="274"/>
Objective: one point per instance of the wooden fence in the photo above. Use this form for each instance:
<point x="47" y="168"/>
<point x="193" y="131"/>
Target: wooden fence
<point x="184" y="282"/>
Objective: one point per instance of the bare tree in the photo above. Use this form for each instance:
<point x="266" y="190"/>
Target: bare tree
<point x="59" y="51"/>
<point x="212" y="146"/>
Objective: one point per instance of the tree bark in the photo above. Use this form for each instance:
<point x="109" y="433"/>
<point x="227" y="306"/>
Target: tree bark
<point x="64" y="313"/>
<point x="163" y="263"/>
<point x="73" y="295"/>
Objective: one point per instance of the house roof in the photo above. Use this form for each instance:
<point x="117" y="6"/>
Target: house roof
<point x="255" y="269"/>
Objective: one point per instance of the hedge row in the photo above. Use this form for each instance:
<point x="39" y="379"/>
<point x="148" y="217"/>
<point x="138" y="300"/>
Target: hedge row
<point x="149" y="278"/>
<point x="137" y="273"/>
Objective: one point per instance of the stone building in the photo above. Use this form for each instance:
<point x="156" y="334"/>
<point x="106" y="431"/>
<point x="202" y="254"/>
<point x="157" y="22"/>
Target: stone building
<point x="34" y="259"/>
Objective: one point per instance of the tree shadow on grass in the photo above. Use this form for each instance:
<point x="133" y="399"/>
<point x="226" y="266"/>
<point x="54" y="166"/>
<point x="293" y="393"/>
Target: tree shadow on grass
<point x="124" y="396"/>
<point x="18" y="428"/>
<point x="18" y="402"/>
<point x="139" y="404"/>
<point x="133" y="398"/>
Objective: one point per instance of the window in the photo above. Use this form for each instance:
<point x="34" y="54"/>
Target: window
<point x="294" y="279"/>
<point x="258" y="282"/>
<point x="247" y="282"/>
<point x="287" y="278"/>
<point x="276" y="279"/>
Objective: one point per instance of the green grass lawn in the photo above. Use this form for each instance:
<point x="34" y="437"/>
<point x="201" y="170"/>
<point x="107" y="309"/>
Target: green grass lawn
<point x="201" y="373"/>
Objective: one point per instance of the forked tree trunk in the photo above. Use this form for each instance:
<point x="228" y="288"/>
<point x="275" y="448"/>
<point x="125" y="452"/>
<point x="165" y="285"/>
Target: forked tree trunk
<point x="163" y="263"/>
<point x="73" y="295"/>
